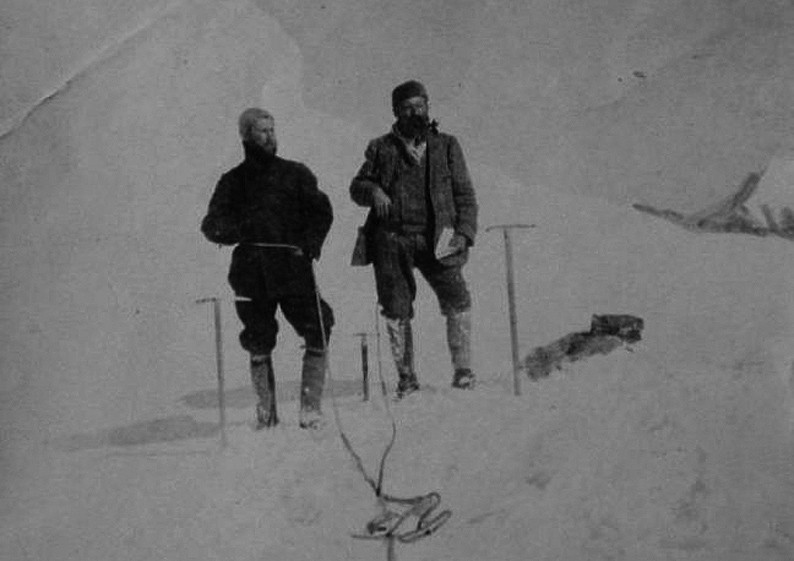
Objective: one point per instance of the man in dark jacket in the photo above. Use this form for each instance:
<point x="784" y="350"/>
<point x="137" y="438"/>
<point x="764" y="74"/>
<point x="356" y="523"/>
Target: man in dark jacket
<point x="423" y="215"/>
<point x="268" y="206"/>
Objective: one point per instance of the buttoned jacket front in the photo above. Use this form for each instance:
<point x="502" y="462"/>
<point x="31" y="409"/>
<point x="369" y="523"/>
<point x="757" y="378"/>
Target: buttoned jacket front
<point x="451" y="194"/>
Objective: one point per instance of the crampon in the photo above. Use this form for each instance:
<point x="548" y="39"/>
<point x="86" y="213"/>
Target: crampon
<point x="387" y="525"/>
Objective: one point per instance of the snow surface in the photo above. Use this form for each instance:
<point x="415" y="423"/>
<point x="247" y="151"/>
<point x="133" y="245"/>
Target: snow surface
<point x="682" y="449"/>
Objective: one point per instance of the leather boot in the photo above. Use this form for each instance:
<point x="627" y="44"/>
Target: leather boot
<point x="459" y="341"/>
<point x="264" y="382"/>
<point x="402" y="348"/>
<point x="312" y="383"/>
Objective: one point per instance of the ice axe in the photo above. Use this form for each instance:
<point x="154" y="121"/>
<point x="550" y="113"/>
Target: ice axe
<point x="216" y="305"/>
<point x="364" y="363"/>
<point x="511" y="296"/>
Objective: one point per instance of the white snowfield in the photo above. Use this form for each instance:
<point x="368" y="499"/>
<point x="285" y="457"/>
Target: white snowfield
<point x="682" y="449"/>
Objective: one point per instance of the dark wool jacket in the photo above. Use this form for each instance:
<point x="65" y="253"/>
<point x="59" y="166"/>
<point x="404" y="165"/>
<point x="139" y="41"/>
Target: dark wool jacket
<point x="451" y="193"/>
<point x="268" y="200"/>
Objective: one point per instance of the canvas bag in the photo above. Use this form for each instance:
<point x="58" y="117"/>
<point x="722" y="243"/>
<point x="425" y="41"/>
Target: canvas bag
<point x="361" y="255"/>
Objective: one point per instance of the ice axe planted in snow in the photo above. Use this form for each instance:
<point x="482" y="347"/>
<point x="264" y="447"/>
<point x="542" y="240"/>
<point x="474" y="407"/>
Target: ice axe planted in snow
<point x="511" y="296"/>
<point x="364" y="363"/>
<point x="216" y="305"/>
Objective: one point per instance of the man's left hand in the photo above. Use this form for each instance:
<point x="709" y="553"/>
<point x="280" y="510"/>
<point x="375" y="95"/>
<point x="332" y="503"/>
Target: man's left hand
<point x="308" y="252"/>
<point x="459" y="242"/>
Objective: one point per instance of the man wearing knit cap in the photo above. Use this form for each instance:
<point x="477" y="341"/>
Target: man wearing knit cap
<point x="423" y="215"/>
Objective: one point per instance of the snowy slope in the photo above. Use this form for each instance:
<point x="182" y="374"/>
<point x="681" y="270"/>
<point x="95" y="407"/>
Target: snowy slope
<point x="680" y="449"/>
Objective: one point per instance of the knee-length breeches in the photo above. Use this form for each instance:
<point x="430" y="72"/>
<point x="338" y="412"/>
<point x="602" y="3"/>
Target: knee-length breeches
<point x="395" y="257"/>
<point x="260" y="326"/>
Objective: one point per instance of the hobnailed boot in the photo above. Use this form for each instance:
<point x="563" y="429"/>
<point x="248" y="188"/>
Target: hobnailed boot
<point x="312" y="383"/>
<point x="402" y="349"/>
<point x="459" y="341"/>
<point x="264" y="382"/>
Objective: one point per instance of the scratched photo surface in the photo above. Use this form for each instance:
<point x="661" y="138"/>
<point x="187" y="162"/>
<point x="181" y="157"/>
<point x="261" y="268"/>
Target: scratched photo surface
<point x="647" y="409"/>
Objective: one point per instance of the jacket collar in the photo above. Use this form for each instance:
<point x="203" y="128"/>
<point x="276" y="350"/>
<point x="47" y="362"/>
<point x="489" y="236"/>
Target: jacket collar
<point x="256" y="157"/>
<point x="415" y="150"/>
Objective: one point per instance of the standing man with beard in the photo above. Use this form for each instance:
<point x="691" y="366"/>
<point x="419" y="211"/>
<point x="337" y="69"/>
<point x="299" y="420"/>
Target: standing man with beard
<point x="267" y="206"/>
<point x="423" y="215"/>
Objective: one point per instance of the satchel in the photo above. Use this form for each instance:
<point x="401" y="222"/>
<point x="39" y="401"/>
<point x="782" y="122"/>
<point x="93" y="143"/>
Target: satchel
<point x="361" y="255"/>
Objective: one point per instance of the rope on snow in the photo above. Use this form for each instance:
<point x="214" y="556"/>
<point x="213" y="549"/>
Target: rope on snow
<point x="386" y="526"/>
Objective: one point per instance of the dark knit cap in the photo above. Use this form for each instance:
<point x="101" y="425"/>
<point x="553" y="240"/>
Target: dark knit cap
<point x="407" y="90"/>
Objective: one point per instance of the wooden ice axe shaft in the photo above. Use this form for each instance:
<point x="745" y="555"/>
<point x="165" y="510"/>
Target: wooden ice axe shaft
<point x="364" y="363"/>
<point x="216" y="305"/>
<point x="511" y="296"/>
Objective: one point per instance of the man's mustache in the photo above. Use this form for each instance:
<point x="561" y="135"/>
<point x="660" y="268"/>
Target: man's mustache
<point x="417" y="121"/>
<point x="419" y="124"/>
<point x="262" y="149"/>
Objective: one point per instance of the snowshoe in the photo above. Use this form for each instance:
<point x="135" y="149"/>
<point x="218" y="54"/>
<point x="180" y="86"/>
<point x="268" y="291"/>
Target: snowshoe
<point x="425" y="527"/>
<point x="388" y="524"/>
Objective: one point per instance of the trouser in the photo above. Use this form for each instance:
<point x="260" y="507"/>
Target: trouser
<point x="258" y="337"/>
<point x="396" y="256"/>
<point x="260" y="326"/>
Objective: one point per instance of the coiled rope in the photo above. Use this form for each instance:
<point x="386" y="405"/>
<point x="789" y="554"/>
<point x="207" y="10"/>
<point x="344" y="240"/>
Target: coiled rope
<point x="386" y="526"/>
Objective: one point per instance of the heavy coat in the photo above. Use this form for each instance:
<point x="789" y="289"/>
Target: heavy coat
<point x="452" y="196"/>
<point x="269" y="200"/>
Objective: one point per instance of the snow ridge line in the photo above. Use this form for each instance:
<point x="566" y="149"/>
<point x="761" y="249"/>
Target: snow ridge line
<point x="102" y="55"/>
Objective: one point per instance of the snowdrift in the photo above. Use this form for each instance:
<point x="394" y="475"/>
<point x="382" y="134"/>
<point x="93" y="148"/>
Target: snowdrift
<point x="680" y="449"/>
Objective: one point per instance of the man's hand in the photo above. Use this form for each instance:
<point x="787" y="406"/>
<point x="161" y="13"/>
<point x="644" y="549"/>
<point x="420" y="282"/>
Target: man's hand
<point x="381" y="203"/>
<point x="309" y="252"/>
<point x="458" y="242"/>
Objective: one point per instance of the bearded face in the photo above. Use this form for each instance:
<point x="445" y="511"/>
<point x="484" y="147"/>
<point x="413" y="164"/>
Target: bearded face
<point x="412" y="117"/>
<point x="262" y="135"/>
